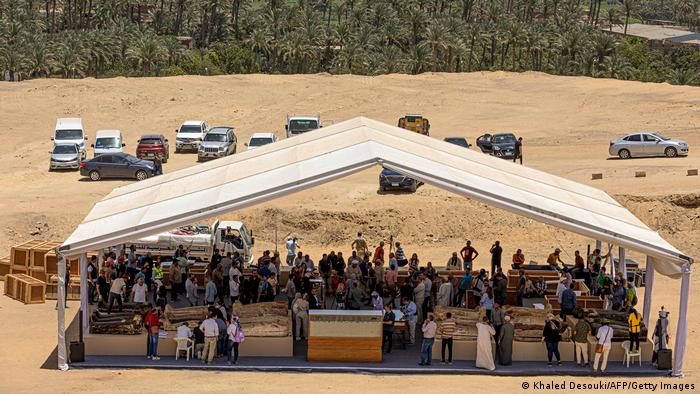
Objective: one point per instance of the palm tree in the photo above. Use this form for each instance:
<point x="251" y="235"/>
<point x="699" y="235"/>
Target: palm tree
<point x="631" y="7"/>
<point x="684" y="76"/>
<point x="148" y="52"/>
<point x="40" y="58"/>
<point x="12" y="60"/>
<point x="70" y="58"/>
<point x="434" y="41"/>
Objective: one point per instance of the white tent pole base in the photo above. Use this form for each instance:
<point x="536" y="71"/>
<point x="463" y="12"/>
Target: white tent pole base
<point x="682" y="327"/>
<point x="61" y="314"/>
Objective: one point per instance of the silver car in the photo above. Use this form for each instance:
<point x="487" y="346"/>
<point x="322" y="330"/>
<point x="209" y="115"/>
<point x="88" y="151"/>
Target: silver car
<point x="219" y="142"/>
<point x="647" y="144"/>
<point x="65" y="156"/>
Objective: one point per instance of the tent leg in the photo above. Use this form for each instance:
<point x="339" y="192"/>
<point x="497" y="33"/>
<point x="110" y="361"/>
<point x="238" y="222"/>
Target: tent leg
<point x="622" y="262"/>
<point x="61" y="314"/>
<point x="682" y="327"/>
<point x="84" y="290"/>
<point x="648" y="289"/>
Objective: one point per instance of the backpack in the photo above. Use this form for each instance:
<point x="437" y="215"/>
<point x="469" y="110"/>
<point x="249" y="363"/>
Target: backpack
<point x="240" y="336"/>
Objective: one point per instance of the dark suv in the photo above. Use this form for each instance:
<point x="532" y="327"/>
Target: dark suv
<point x="390" y="180"/>
<point x="152" y="145"/>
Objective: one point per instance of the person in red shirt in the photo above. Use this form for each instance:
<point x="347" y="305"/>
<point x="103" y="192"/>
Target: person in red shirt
<point x="152" y="323"/>
<point x="518" y="259"/>
<point x="379" y="252"/>
<point x="468" y="255"/>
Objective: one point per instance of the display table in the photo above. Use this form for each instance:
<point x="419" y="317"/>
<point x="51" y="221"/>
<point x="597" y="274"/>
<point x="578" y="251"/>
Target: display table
<point x="345" y="336"/>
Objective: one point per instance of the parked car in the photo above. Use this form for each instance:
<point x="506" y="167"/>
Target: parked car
<point x="219" y="142"/>
<point x="70" y="131"/>
<point x="500" y="145"/>
<point x="64" y="156"/>
<point x="151" y="146"/>
<point x="259" y="139"/>
<point x="117" y="165"/>
<point x="647" y="144"/>
<point x="190" y="135"/>
<point x="461" y="141"/>
<point x="391" y="180"/>
<point x="107" y="141"/>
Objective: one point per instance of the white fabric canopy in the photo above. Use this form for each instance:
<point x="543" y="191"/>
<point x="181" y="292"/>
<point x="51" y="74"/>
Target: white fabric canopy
<point x="206" y="190"/>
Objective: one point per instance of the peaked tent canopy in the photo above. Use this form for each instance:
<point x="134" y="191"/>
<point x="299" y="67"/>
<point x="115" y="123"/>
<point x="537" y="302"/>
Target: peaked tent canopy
<point x="206" y="190"/>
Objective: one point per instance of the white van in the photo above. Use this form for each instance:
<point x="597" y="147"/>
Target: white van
<point x="108" y="141"/>
<point x="70" y="131"/>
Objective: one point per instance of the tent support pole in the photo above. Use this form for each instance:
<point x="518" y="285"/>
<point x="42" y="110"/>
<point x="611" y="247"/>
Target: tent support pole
<point x="682" y="326"/>
<point x="648" y="290"/>
<point x="622" y="262"/>
<point x="61" y="314"/>
<point x="84" y="290"/>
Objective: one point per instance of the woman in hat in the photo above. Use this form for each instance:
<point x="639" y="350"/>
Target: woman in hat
<point x="551" y="336"/>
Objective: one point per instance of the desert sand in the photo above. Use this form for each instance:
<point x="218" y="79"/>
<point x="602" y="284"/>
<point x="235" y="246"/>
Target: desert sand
<point x="566" y="124"/>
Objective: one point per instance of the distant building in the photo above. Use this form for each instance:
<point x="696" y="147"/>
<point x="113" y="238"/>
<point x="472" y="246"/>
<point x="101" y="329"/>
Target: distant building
<point x="659" y="36"/>
<point x="185" y="41"/>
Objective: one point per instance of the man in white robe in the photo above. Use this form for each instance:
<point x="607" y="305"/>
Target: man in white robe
<point x="484" y="351"/>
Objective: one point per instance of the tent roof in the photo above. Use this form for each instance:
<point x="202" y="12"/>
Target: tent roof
<point x="271" y="171"/>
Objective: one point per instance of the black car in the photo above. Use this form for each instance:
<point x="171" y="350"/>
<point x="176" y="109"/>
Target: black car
<point x="390" y="180"/>
<point x="460" y="141"/>
<point x="118" y="165"/>
<point x="500" y="145"/>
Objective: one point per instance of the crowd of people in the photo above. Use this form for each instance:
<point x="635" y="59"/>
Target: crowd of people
<point x="369" y="278"/>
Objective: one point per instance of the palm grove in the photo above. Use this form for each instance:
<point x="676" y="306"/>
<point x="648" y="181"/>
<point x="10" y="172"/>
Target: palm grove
<point x="102" y="38"/>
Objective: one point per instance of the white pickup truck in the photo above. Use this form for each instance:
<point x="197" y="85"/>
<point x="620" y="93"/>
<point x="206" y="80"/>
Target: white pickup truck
<point x="299" y="124"/>
<point x="200" y="240"/>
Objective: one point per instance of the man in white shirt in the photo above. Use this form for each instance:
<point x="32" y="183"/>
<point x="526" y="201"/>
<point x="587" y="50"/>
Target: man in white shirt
<point x="139" y="292"/>
<point x="115" y="292"/>
<point x="211" y="334"/>
<point x="292" y="245"/>
<point x="429" y="331"/>
<point x="604" y="335"/>
<point x="183" y="332"/>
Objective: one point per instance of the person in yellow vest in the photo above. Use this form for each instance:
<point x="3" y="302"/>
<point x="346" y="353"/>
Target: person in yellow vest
<point x="635" y="324"/>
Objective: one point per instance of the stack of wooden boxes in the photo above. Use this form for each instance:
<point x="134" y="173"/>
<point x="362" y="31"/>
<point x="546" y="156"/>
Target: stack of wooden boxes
<point x="51" y="270"/>
<point x="25" y="289"/>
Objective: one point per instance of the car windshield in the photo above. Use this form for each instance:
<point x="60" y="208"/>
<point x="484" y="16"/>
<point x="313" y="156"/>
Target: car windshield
<point x="661" y="137"/>
<point x="69" y="134"/>
<point x="259" y="141"/>
<point x="190" y="129"/>
<point x="215" y="137"/>
<point x="107" y="143"/>
<point x="131" y="159"/>
<point x="150" y="141"/>
<point x="302" y="125"/>
<point x="458" y="141"/>
<point x="65" y="149"/>
<point x="502" y="138"/>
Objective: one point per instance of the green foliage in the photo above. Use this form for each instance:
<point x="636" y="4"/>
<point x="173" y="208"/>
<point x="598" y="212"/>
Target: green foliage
<point x="103" y="38"/>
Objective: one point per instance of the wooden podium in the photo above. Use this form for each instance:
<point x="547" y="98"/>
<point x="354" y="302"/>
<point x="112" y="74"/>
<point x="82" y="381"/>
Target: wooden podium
<point x="345" y="336"/>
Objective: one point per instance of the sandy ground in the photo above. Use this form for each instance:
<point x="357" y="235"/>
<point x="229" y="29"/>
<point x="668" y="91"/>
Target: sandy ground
<point x="566" y="124"/>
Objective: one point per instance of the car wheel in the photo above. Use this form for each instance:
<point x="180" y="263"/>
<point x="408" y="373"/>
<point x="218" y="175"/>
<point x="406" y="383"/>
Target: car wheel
<point x="624" y="154"/>
<point x="95" y="175"/>
<point x="141" y="175"/>
<point x="671" y="152"/>
<point x="178" y="150"/>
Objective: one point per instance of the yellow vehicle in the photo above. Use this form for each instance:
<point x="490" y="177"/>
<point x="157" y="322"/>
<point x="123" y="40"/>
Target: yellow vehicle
<point x="415" y="123"/>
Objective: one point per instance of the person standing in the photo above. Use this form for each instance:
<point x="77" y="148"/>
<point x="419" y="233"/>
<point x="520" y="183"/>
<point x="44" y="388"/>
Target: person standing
<point x="175" y="279"/>
<point x="139" y="292"/>
<point x="505" y="342"/>
<point x="454" y="263"/>
<point x="484" y="352"/>
<point x="568" y="302"/>
<point x="602" y="348"/>
<point x="234" y="288"/>
<point x="498" y="317"/>
<point x="211" y="334"/>
<point x="426" y="351"/>
<point x="518" y="259"/>
<point x="360" y="246"/>
<point x="496" y="253"/>
<point x="518" y="150"/>
<point x="660" y="336"/>
<point x="379" y="252"/>
<point x="551" y="336"/>
<point x="152" y="323"/>
<point x="486" y="302"/>
<point x="447" y="331"/>
<point x="191" y="290"/>
<point x="400" y="255"/>
<point x="444" y="294"/>
<point x="469" y="254"/>
<point x="115" y="292"/>
<point x="522" y="285"/>
<point x="209" y="291"/>
<point x="301" y="315"/>
<point x="635" y="323"/>
<point x="388" y="328"/>
<point x="419" y="297"/>
<point x="409" y="310"/>
<point x="581" y="331"/>
<point x="235" y="337"/>
<point x="292" y="246"/>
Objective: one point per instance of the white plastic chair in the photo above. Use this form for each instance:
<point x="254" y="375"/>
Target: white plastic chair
<point x="629" y="355"/>
<point x="186" y="345"/>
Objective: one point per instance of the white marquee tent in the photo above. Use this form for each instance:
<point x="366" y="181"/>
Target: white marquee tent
<point x="248" y="178"/>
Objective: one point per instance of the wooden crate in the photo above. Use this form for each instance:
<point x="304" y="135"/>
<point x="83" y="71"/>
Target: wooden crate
<point x="37" y="263"/>
<point x="20" y="256"/>
<point x="27" y="289"/>
<point x="5" y="267"/>
<point x="11" y="286"/>
<point x="52" y="288"/>
<point x="51" y="263"/>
